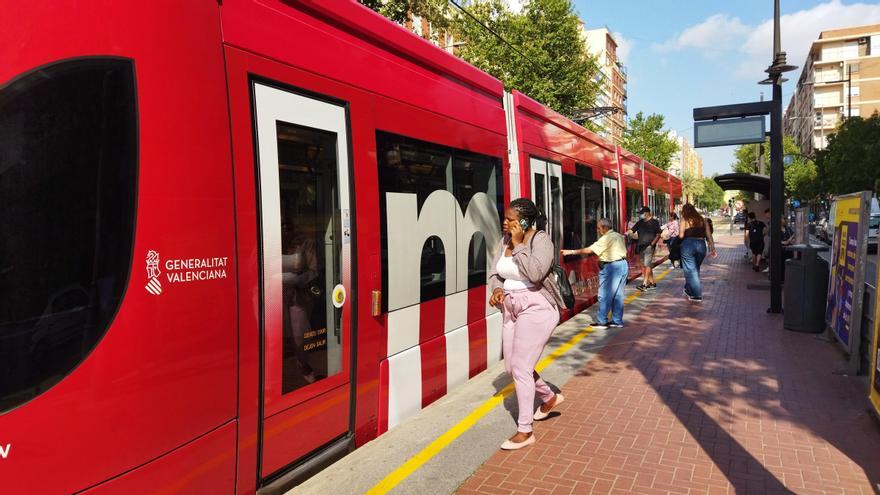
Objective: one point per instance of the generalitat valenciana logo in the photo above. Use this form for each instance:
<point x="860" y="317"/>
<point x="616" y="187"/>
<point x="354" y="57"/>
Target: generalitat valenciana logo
<point x="154" y="286"/>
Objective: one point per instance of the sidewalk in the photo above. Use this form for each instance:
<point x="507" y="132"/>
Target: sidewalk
<point x="701" y="398"/>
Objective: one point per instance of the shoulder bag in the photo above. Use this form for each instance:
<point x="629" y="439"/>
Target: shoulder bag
<point x="562" y="284"/>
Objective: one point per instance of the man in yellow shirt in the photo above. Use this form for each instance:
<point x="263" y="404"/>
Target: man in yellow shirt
<point x="613" y="269"/>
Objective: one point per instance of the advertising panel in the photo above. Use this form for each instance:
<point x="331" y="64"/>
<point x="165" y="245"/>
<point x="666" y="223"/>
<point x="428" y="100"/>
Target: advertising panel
<point x="843" y="312"/>
<point x="874" y="390"/>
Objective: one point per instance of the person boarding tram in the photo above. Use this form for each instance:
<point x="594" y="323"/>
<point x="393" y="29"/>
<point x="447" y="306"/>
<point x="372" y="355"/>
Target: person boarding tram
<point x="613" y="268"/>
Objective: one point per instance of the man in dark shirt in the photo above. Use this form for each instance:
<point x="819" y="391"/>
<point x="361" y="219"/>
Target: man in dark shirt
<point x="647" y="231"/>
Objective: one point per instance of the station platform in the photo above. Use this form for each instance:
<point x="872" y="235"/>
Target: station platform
<point x="711" y="397"/>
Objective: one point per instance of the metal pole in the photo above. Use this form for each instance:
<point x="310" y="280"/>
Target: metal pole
<point x="777" y="43"/>
<point x="776" y="200"/>
<point x="776" y="174"/>
<point x="848" y="90"/>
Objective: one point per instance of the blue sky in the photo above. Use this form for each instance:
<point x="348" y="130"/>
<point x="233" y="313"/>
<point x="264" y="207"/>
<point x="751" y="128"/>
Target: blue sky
<point x="692" y="53"/>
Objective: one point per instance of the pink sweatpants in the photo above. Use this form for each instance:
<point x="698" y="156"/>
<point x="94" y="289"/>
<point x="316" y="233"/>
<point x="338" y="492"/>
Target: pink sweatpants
<point x="529" y="319"/>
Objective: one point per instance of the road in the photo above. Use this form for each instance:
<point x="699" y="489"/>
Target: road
<point x="723" y="226"/>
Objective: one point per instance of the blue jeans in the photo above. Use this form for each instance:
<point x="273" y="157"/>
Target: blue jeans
<point x="693" y="252"/>
<point x="612" y="280"/>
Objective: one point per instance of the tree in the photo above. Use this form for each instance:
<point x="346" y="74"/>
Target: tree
<point x="712" y="196"/>
<point x="550" y="62"/>
<point x="801" y="180"/>
<point x="546" y="57"/>
<point x="850" y="161"/>
<point x="646" y="138"/>
<point x="691" y="186"/>
<point x="399" y="11"/>
<point x="800" y="174"/>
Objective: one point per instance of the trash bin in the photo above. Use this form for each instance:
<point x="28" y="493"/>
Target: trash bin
<point x="806" y="289"/>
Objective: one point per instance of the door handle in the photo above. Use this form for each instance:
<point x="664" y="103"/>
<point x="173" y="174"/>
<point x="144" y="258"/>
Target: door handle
<point x="376" y="303"/>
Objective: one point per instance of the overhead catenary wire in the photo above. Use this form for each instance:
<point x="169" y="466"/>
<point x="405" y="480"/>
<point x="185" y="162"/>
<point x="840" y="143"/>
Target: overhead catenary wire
<point x="495" y="34"/>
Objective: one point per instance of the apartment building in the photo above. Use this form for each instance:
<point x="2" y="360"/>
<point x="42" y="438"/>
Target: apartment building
<point x="612" y="80"/>
<point x="840" y="78"/>
<point x="686" y="160"/>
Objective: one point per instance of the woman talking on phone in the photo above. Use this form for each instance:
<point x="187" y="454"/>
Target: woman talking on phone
<point x="529" y="301"/>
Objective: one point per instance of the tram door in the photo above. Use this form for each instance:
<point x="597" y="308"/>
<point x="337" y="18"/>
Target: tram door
<point x="303" y="198"/>
<point x="547" y="195"/>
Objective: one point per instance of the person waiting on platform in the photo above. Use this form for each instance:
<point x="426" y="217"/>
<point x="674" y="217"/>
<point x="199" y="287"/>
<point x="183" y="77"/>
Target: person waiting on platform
<point x="613" y="268"/>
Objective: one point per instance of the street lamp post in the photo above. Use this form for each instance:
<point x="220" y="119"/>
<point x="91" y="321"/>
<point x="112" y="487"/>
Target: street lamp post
<point x="775" y="71"/>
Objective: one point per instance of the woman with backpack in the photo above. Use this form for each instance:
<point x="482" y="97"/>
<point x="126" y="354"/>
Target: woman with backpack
<point x="529" y="301"/>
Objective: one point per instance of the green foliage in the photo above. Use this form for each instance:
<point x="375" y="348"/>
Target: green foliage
<point x="646" y="138"/>
<point x="712" y="196"/>
<point x="436" y="11"/>
<point x="550" y="62"/>
<point x="692" y="186"/>
<point x="800" y="175"/>
<point x="801" y="180"/>
<point x="851" y="161"/>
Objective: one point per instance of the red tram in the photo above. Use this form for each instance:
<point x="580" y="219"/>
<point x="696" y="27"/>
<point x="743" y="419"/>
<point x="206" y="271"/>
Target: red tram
<point x="241" y="238"/>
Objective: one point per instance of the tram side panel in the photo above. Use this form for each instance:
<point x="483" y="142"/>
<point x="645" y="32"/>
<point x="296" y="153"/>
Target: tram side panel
<point x="441" y="194"/>
<point x="429" y="168"/>
<point x="117" y="319"/>
<point x="632" y="199"/>
<point x="589" y="185"/>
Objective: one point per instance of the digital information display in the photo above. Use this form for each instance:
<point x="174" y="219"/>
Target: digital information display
<point x="726" y="132"/>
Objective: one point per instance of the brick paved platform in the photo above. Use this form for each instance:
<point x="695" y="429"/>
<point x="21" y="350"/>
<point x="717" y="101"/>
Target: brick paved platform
<point x="701" y="398"/>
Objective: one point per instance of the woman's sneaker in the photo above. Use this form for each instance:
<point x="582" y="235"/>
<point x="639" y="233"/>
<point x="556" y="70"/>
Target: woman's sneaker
<point x="643" y="288"/>
<point x="652" y="286"/>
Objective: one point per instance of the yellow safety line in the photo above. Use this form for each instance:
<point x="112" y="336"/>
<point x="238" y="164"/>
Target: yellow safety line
<point x="415" y="462"/>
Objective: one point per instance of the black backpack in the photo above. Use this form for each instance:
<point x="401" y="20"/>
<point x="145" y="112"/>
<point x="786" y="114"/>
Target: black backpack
<point x="562" y="284"/>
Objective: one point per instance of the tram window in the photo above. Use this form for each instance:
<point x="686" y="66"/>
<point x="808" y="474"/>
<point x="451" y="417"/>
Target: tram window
<point x="417" y="167"/>
<point x="611" y="199"/>
<point x="433" y="272"/>
<point x="540" y="200"/>
<point x="477" y="261"/>
<point x="582" y="201"/>
<point x="633" y="205"/>
<point x="68" y="167"/>
<point x="554" y="220"/>
<point x="409" y="166"/>
<point x="310" y="256"/>
<point x="472" y="174"/>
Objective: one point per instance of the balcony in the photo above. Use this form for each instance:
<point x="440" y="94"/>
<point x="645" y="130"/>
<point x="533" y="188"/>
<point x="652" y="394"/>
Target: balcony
<point x="828" y="103"/>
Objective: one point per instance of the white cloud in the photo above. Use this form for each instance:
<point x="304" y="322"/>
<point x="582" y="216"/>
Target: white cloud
<point x="799" y="30"/>
<point x="753" y="44"/>
<point x="624" y="47"/>
<point x="716" y="34"/>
